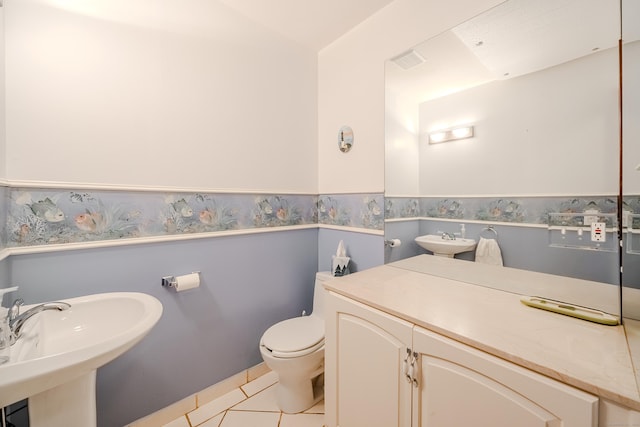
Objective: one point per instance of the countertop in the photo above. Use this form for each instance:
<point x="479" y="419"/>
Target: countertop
<point x="592" y="357"/>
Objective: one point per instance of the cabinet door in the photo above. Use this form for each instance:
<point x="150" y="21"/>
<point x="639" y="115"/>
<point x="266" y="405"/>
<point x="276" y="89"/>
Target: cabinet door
<point x="460" y="386"/>
<point x="365" y="351"/>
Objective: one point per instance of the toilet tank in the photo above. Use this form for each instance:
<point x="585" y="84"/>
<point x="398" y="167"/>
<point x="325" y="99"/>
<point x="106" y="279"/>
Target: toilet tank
<point x="318" y="293"/>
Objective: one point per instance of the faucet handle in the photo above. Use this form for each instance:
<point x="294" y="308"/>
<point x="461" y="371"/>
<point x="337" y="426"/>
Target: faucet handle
<point x="14" y="311"/>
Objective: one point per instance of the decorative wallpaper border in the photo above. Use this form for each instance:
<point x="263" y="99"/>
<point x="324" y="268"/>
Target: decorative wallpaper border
<point x="631" y="204"/>
<point x="365" y="210"/>
<point x="4" y="197"/>
<point x="58" y="216"/>
<point x="522" y="210"/>
<point x="35" y="216"/>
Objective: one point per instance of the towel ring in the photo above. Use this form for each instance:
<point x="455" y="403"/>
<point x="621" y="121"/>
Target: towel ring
<point x="490" y="228"/>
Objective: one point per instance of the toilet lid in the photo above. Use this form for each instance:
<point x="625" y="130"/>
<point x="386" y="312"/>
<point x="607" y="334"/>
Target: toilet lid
<point x="294" y="336"/>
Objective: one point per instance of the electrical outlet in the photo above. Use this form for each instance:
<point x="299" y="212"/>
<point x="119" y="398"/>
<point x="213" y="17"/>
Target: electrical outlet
<point x="598" y="232"/>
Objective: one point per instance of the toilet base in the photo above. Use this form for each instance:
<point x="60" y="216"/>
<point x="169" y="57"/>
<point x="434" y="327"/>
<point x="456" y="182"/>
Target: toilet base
<point x="297" y="396"/>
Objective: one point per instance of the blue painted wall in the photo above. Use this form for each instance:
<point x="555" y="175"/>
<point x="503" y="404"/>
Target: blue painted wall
<point x="631" y="255"/>
<point x="364" y="249"/>
<point x="406" y="231"/>
<point x="5" y="275"/>
<point x="249" y="282"/>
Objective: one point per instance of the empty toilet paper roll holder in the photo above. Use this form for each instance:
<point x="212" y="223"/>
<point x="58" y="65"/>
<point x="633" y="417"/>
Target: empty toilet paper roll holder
<point x="392" y="243"/>
<point x="172" y="281"/>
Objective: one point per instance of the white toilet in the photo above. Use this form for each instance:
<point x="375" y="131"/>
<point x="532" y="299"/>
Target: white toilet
<point x="294" y="350"/>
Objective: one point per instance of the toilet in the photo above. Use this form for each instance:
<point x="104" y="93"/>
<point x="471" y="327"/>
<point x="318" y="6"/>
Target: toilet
<point x="294" y="350"/>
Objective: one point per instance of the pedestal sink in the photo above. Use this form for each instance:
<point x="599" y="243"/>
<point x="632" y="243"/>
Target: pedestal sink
<point x="54" y="361"/>
<point x="441" y="246"/>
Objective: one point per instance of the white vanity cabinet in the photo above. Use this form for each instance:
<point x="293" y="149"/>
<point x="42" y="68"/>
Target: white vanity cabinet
<point x="365" y="349"/>
<point x="383" y="371"/>
<point x="461" y="386"/>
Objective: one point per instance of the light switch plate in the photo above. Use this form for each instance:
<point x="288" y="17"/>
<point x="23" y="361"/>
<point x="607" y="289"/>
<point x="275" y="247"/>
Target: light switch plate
<point x="598" y="232"/>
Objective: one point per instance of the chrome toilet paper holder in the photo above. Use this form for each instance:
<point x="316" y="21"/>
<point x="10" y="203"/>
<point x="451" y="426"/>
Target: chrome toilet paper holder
<point x="169" y="281"/>
<point x="172" y="281"/>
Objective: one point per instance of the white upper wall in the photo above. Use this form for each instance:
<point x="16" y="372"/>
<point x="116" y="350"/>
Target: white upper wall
<point x="3" y="163"/>
<point x="351" y="86"/>
<point x="102" y="97"/>
<point x="631" y="124"/>
<point x="544" y="133"/>
<point x="402" y="154"/>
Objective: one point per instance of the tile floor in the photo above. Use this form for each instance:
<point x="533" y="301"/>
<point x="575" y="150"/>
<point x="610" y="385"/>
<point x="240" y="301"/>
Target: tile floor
<point x="250" y="405"/>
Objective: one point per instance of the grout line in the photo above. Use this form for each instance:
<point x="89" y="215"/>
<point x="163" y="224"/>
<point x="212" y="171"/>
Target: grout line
<point x="224" y="416"/>
<point x="245" y="395"/>
<point x="260" y="411"/>
<point x="226" y="411"/>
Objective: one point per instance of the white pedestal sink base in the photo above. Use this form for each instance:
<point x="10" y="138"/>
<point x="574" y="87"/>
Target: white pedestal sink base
<point x="444" y="255"/>
<point x="72" y="404"/>
<point x="54" y="363"/>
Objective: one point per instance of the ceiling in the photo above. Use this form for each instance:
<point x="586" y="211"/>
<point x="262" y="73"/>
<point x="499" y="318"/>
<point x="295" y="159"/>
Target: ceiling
<point x="312" y="23"/>
<point x="515" y="38"/>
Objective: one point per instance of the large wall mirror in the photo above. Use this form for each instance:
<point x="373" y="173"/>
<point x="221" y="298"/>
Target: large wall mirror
<point x="538" y="80"/>
<point x="631" y="158"/>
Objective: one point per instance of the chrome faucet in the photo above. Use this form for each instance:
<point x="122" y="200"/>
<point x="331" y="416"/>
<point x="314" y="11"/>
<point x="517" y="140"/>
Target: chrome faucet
<point x="17" y="320"/>
<point x="448" y="236"/>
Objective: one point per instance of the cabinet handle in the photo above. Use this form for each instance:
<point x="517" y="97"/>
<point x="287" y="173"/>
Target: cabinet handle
<point x="414" y="369"/>
<point x="405" y="366"/>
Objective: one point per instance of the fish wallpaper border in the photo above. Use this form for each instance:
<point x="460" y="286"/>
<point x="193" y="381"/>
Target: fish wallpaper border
<point x="38" y="216"/>
<point x="43" y="216"/>
<point x="352" y="210"/>
<point x="520" y="210"/>
<point x="4" y="197"/>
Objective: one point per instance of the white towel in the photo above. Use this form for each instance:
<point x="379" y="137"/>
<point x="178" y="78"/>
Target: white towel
<point x="488" y="252"/>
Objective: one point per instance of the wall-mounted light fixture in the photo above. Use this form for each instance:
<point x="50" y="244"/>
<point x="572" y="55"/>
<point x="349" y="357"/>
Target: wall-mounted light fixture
<point x="452" y="134"/>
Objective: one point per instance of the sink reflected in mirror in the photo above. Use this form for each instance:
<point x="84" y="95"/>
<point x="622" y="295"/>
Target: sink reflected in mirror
<point x="53" y="363"/>
<point x="442" y="245"/>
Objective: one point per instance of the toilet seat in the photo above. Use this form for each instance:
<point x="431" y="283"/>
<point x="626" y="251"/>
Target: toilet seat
<point x="294" y="337"/>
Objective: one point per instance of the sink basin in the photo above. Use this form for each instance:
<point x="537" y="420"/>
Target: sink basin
<point x="443" y="247"/>
<point x="60" y="351"/>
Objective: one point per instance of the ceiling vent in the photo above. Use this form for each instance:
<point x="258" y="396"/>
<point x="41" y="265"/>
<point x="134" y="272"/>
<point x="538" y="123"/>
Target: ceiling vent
<point x="408" y="59"/>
